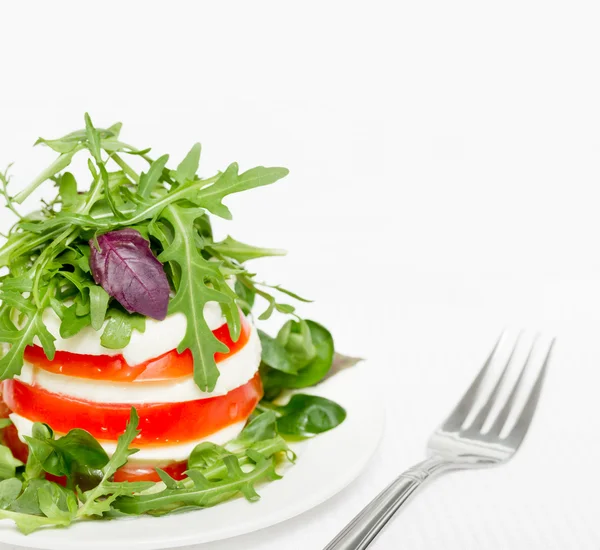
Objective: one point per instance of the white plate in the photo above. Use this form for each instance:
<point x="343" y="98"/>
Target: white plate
<point x="326" y="464"/>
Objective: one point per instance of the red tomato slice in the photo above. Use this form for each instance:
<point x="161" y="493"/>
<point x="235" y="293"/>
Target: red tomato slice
<point x="131" y="472"/>
<point x="10" y="437"/>
<point x="160" y="423"/>
<point x="114" y="368"/>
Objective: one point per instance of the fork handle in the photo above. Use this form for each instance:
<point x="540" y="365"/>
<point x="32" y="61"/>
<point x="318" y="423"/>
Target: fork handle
<point x="363" y="529"/>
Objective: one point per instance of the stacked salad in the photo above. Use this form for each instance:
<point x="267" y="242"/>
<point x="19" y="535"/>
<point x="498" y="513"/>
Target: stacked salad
<point x="134" y="378"/>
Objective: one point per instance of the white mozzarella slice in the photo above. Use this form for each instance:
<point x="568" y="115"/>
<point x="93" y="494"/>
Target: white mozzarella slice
<point x="158" y="338"/>
<point x="156" y="454"/>
<point x="235" y="371"/>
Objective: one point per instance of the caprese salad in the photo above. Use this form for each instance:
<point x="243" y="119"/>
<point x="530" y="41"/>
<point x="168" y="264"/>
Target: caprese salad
<point x="134" y="377"/>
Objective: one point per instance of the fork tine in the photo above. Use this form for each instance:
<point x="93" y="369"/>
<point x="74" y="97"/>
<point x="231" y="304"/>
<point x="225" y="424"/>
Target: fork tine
<point x="482" y="415"/>
<point x="519" y="430"/>
<point x="457" y="417"/>
<point x="510" y="402"/>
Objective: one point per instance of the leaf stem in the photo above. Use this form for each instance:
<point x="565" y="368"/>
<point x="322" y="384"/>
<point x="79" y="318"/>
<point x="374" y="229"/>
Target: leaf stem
<point x="126" y="168"/>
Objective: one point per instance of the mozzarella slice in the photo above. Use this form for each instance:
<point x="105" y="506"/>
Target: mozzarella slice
<point x="158" y="338"/>
<point x="150" y="455"/>
<point x="235" y="371"/>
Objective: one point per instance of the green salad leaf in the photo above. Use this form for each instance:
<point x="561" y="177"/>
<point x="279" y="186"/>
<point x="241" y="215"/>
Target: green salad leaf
<point x="48" y="251"/>
<point x="305" y="352"/>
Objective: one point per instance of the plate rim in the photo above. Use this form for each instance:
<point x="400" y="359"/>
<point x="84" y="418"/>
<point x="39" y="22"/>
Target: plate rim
<point x="10" y="535"/>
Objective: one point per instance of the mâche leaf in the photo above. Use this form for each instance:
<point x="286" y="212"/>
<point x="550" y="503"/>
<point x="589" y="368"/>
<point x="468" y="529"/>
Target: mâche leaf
<point x="309" y="348"/>
<point x="8" y="463"/>
<point x="308" y="415"/>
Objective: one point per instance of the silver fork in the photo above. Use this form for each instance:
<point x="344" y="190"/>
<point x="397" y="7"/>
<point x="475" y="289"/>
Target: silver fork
<point x="459" y="443"/>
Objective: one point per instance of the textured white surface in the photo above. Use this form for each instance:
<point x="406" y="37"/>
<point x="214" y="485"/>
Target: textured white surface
<point x="444" y="182"/>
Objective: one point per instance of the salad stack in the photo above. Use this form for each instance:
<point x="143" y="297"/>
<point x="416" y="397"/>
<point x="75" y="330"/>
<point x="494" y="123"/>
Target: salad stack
<point x="135" y="379"/>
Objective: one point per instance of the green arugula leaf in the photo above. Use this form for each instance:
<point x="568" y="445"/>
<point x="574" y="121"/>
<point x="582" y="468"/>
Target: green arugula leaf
<point x="57" y="166"/>
<point x="194" y="293"/>
<point x="120" y="327"/>
<point x="241" y="252"/>
<point x="93" y="138"/>
<point x="72" y="323"/>
<point x="68" y="189"/>
<point x="149" y="180"/>
<point x="98" y="306"/>
<point x="206" y="454"/>
<point x="18" y="339"/>
<point x="231" y="182"/>
<point x="189" y="165"/>
<point x="203" y="493"/>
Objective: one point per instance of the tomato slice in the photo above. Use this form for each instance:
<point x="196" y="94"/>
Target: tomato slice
<point x="133" y="472"/>
<point x="160" y="423"/>
<point x="115" y="368"/>
<point x="10" y="437"/>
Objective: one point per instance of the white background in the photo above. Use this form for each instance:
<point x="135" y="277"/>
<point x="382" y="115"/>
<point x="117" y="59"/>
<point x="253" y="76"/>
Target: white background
<point x="444" y="163"/>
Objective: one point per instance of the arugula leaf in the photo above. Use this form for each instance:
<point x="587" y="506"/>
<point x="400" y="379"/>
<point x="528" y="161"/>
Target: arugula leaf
<point x="189" y="165"/>
<point x="206" y="454"/>
<point x="193" y="294"/>
<point x="57" y="166"/>
<point x="93" y="138"/>
<point x="245" y="296"/>
<point x="12" y="361"/>
<point x="231" y="182"/>
<point x="72" y="323"/>
<point x="119" y="328"/>
<point x="241" y="252"/>
<point x="149" y="180"/>
<point x="98" y="306"/>
<point x="68" y="189"/>
<point x="203" y="492"/>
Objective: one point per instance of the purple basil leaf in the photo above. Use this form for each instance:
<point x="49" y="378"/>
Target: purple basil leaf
<point x="125" y="267"/>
